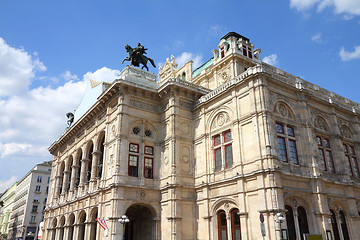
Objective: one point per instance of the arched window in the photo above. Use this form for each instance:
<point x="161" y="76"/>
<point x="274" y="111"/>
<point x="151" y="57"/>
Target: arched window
<point x="235" y="225"/>
<point x="93" y="224"/>
<point x="101" y="158"/>
<point x="61" y="176"/>
<point x="344" y="226"/>
<point x="303" y="223"/>
<point x="290" y="223"/>
<point x="90" y="156"/>
<point x="334" y="225"/>
<point x="70" y="165"/>
<point x="82" y="226"/>
<point x="61" y="229"/>
<point x="77" y="182"/>
<point x="53" y="232"/>
<point x="222" y="229"/>
<point x="71" y="226"/>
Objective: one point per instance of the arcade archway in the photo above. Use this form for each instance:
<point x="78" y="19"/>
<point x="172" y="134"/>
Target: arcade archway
<point x="142" y="225"/>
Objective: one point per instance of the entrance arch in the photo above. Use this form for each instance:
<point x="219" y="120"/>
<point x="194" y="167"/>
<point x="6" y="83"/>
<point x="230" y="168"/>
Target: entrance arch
<point x="142" y="225"/>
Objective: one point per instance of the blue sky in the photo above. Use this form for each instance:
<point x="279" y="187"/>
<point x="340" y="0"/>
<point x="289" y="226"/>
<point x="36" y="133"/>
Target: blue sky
<point x="50" y="49"/>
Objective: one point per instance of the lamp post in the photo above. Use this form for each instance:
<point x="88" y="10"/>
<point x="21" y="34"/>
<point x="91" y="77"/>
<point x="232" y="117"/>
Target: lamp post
<point x="280" y="219"/>
<point x="123" y="220"/>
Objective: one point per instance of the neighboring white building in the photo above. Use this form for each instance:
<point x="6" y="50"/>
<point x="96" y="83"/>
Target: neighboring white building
<point x="8" y="200"/>
<point x="29" y="202"/>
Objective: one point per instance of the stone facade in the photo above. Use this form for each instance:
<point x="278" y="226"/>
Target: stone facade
<point x="200" y="154"/>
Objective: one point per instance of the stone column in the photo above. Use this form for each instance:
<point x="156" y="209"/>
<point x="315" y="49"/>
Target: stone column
<point x="156" y="228"/>
<point x="228" y="225"/>
<point x="76" y="231"/>
<point x="84" y="166"/>
<point x="66" y="232"/>
<point x="73" y="177"/>
<point x="57" y="186"/>
<point x="65" y="181"/>
<point x="94" y="167"/>
<point x="87" y="230"/>
<point x="57" y="233"/>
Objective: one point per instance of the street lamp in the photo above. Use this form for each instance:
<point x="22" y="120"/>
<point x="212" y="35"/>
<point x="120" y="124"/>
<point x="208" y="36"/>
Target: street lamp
<point x="123" y="220"/>
<point x="280" y="220"/>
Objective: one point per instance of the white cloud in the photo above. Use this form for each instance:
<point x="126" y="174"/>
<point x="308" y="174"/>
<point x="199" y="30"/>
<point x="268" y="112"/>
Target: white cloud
<point x="5" y="184"/>
<point x="217" y="30"/>
<point x="316" y="38"/>
<point x="347" y="56"/>
<point x="32" y="119"/>
<point x="102" y="75"/>
<point x="271" y="59"/>
<point x="17" y="69"/>
<point x="187" y="56"/>
<point x="11" y="148"/>
<point x="347" y="7"/>
<point x="68" y="76"/>
<point x="302" y="5"/>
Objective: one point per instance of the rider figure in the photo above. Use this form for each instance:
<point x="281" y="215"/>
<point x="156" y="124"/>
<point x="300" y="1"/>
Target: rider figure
<point x="139" y="51"/>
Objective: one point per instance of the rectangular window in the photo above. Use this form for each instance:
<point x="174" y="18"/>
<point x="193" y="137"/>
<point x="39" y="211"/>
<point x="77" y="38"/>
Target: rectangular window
<point x="148" y="169"/>
<point x="133" y="165"/>
<point x="149" y="150"/>
<point x="37" y="188"/>
<point x="33" y="219"/>
<point x="287" y="143"/>
<point x="39" y="178"/>
<point x="249" y="52"/>
<point x="351" y="156"/>
<point x="293" y="151"/>
<point x="244" y="48"/>
<point x="228" y="156"/>
<point x="34" y="208"/>
<point x="227" y="136"/>
<point x="282" y="149"/>
<point x="222" y="52"/>
<point x="322" y="159"/>
<point x="325" y="154"/>
<point x="218" y="161"/>
<point x="217" y="140"/>
<point x="329" y="161"/>
<point x="133" y="147"/>
<point x="279" y="128"/>
<point x="223" y="150"/>
<point x="48" y="180"/>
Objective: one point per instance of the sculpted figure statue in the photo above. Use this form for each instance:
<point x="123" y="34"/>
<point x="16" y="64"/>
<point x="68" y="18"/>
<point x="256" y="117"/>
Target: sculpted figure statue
<point x="70" y="117"/>
<point x="136" y="56"/>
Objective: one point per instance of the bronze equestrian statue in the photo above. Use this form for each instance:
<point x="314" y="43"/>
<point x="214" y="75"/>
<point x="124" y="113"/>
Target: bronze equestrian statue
<point x="136" y="56"/>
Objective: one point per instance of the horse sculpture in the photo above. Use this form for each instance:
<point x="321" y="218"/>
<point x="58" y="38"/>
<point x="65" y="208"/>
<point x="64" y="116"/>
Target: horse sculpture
<point x="136" y="56"/>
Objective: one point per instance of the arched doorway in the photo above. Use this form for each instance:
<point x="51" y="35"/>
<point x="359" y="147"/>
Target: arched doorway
<point x="142" y="224"/>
